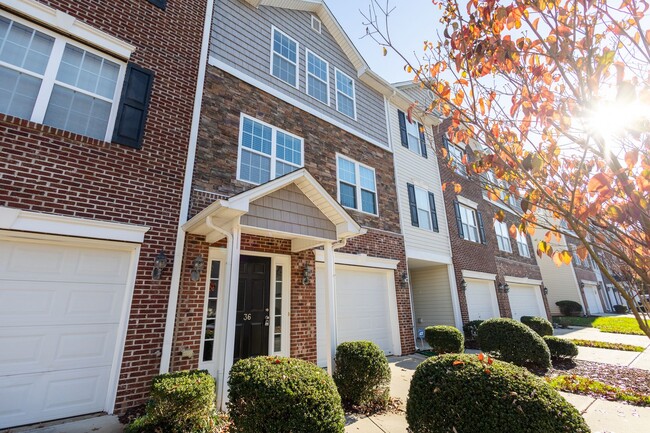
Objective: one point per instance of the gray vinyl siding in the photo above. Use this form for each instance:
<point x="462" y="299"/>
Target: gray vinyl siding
<point x="241" y="38"/>
<point x="289" y="210"/>
<point x="432" y="301"/>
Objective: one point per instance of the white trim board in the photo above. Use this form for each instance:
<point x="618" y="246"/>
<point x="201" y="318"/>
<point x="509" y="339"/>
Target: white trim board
<point x="518" y="280"/>
<point x="67" y="24"/>
<point x="358" y="260"/>
<point x="16" y="219"/>
<point x="429" y="256"/>
<point x="479" y="275"/>
<point x="467" y="202"/>
<point x="213" y="61"/>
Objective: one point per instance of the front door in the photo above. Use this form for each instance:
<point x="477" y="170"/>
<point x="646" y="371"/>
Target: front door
<point x="253" y="316"/>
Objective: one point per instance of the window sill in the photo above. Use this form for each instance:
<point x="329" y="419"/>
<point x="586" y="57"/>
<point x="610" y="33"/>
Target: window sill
<point x="360" y="211"/>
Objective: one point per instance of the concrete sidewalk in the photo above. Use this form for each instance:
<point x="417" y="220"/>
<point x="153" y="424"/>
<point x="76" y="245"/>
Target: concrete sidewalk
<point x="93" y="424"/>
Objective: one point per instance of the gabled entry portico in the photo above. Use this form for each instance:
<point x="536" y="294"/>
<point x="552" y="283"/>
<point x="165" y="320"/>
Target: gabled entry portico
<point x="248" y="299"/>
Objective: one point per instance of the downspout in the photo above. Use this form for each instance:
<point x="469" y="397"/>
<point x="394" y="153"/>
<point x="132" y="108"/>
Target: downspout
<point x="170" y="321"/>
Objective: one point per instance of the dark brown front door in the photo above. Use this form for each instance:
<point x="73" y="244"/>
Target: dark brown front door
<point x="252" y="326"/>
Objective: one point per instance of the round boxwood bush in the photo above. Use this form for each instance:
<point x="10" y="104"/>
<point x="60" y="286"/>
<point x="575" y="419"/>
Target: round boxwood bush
<point x="569" y="308"/>
<point x="362" y="374"/>
<point x="464" y="394"/>
<point x="180" y="402"/>
<point x="538" y="324"/>
<point x="561" y="348"/>
<point x="273" y="394"/>
<point x="470" y="330"/>
<point x="511" y="341"/>
<point x="444" y="339"/>
<point x="620" y="309"/>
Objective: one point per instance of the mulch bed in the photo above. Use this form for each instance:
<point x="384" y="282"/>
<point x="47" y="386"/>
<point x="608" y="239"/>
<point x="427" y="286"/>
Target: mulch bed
<point x="632" y="379"/>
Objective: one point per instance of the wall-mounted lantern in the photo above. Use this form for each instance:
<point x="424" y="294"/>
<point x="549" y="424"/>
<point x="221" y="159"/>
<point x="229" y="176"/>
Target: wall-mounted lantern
<point x="197" y="267"/>
<point x="463" y="285"/>
<point x="405" y="279"/>
<point x="159" y="263"/>
<point x="307" y="272"/>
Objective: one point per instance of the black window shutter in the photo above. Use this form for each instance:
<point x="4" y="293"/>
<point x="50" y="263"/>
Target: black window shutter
<point x="134" y="103"/>
<point x="481" y="228"/>
<point x="423" y="141"/>
<point x="434" y="214"/>
<point x="162" y="4"/>
<point x="413" y="205"/>
<point x="402" y="128"/>
<point x="445" y="142"/>
<point x="459" y="221"/>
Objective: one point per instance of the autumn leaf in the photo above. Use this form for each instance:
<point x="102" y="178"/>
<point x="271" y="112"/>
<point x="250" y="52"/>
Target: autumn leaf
<point x="599" y="184"/>
<point x="631" y="158"/>
<point x="500" y="215"/>
<point x="582" y="252"/>
<point x="385" y="51"/>
<point x="513" y="231"/>
<point x="458" y="188"/>
<point x="458" y="362"/>
<point x="481" y="356"/>
<point x="565" y="257"/>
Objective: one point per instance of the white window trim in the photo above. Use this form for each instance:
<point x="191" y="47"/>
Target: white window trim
<point x="357" y="185"/>
<point x="522" y="239"/>
<point x="354" y="93"/>
<point x="466" y="235"/>
<point x="314" y="19"/>
<point x="308" y="74"/>
<point x="272" y="156"/>
<point x="458" y="166"/>
<point x="467" y="202"/>
<point x="427" y="209"/>
<point x="49" y="76"/>
<point x="503" y="226"/>
<point x="273" y="30"/>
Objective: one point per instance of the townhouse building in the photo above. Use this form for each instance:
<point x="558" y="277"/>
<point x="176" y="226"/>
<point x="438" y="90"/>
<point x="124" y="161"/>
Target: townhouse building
<point x="496" y="275"/>
<point x="294" y="211"/>
<point x="589" y="283"/>
<point x="96" y="105"/>
<point x="422" y="213"/>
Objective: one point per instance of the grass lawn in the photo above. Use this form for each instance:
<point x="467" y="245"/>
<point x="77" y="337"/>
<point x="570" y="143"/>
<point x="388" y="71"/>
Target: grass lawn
<point x="587" y="386"/>
<point x="616" y="325"/>
<point x="606" y="345"/>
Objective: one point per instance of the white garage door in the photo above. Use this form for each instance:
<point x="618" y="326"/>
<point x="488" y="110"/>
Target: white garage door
<point x="591" y="293"/>
<point x="363" y="307"/>
<point x="60" y="310"/>
<point x="481" y="299"/>
<point x="525" y="300"/>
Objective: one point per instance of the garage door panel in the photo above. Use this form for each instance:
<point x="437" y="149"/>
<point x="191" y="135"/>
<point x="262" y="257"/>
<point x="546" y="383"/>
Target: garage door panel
<point x="481" y="300"/>
<point x="47" y="303"/>
<point x="525" y="300"/>
<point x="593" y="300"/>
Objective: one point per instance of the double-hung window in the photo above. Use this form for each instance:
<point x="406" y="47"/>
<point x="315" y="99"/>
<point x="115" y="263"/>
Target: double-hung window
<point x="266" y="152"/>
<point x="522" y="244"/>
<point x="413" y="136"/>
<point x="357" y="186"/>
<point x="503" y="239"/>
<point x="456" y="155"/>
<point x="50" y="79"/>
<point x="317" y="78"/>
<point x="470" y="223"/>
<point x="284" y="58"/>
<point x="423" y="208"/>
<point x="345" y="94"/>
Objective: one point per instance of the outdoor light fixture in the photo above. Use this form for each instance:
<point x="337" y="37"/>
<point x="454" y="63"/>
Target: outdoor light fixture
<point x="500" y="287"/>
<point x="159" y="263"/>
<point x="545" y="289"/>
<point x="405" y="279"/>
<point x="506" y="288"/>
<point x="582" y="285"/>
<point x="197" y="267"/>
<point x="463" y="285"/>
<point x="306" y="273"/>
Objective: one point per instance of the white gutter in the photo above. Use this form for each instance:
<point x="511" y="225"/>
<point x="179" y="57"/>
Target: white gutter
<point x="187" y="190"/>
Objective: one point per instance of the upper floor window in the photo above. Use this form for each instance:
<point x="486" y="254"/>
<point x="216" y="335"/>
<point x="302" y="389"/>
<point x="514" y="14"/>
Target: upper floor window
<point x="423" y="208"/>
<point x="470" y="223"/>
<point x="315" y="24"/>
<point x="576" y="258"/>
<point x="456" y="155"/>
<point x="501" y="229"/>
<point x="501" y="186"/>
<point x="49" y="79"/>
<point x="522" y="244"/>
<point x="357" y="186"/>
<point x="345" y="95"/>
<point x="284" y="58"/>
<point x="266" y="152"/>
<point x="412" y="135"/>
<point x="317" y="78"/>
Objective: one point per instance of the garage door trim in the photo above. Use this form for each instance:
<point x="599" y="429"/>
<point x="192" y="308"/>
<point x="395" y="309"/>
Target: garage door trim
<point x="134" y="250"/>
<point x="361" y="260"/>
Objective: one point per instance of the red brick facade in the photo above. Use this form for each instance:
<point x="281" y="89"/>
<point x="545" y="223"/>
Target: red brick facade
<point x="479" y="257"/>
<point x="584" y="273"/>
<point x="48" y="170"/>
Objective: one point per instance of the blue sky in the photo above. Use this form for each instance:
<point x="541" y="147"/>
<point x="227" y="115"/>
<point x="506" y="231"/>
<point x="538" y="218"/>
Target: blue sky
<point x="412" y="22"/>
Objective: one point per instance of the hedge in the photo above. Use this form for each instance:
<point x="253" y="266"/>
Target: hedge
<point x="569" y="308"/>
<point x="561" y="348"/>
<point x="463" y="394"/>
<point x="538" y="324"/>
<point x="511" y="341"/>
<point x="444" y="339"/>
<point x="620" y="309"/>
<point x="274" y="394"/>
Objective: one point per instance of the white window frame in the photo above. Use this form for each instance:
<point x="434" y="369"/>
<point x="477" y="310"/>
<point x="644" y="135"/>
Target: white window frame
<point x="314" y="20"/>
<point x="457" y="163"/>
<point x="465" y="212"/>
<point x="427" y="207"/>
<point x="411" y="126"/>
<point x="308" y="74"/>
<point x="273" y="155"/>
<point x="357" y="186"/>
<point x="522" y="244"/>
<point x="354" y="93"/>
<point x="49" y="76"/>
<point x="273" y="30"/>
<point x="503" y="237"/>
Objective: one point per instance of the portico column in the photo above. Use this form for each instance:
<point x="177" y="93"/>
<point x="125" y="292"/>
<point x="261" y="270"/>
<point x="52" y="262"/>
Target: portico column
<point x="330" y="304"/>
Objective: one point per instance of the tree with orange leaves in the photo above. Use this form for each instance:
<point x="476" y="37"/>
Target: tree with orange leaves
<point x="555" y="97"/>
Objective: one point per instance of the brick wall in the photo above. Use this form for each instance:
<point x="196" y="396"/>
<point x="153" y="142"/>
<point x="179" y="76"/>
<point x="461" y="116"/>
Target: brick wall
<point x="51" y="171"/>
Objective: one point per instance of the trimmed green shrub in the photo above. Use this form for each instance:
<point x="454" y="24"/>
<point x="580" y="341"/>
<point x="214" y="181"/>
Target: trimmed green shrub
<point x="180" y="402"/>
<point x="362" y="374"/>
<point x="444" y="339"/>
<point x="538" y="324"/>
<point x="561" y="348"/>
<point x="274" y="394"/>
<point x="463" y="394"/>
<point x="569" y="308"/>
<point x="470" y="329"/>
<point x="511" y="341"/>
<point x="620" y="309"/>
